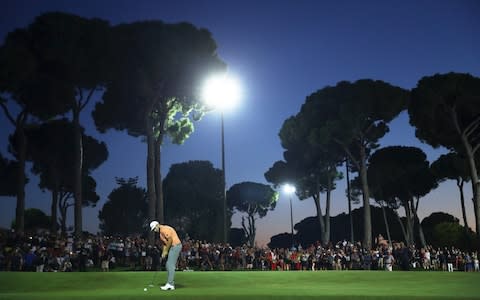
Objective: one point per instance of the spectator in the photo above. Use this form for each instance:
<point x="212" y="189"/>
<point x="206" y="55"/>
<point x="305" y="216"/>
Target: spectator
<point x="41" y="261"/>
<point x="389" y="260"/>
<point x="105" y="262"/>
<point x="450" y="261"/>
<point x="30" y="259"/>
<point x="475" y="262"/>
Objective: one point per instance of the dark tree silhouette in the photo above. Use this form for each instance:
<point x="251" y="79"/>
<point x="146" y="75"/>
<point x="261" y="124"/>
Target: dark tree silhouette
<point x="452" y="166"/>
<point x="193" y="200"/>
<point x="8" y="171"/>
<point x="35" y="219"/>
<point x="445" y="111"/>
<point x="77" y="49"/>
<point x="125" y="211"/>
<point x="156" y="73"/>
<point x="309" y="163"/>
<point x="51" y="150"/>
<point x="354" y="116"/>
<point x="402" y="174"/>
<point x="254" y="199"/>
<point x="32" y="88"/>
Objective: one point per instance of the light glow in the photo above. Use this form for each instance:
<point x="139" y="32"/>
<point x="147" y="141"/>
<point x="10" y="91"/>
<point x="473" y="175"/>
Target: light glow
<point x="289" y="189"/>
<point x="221" y="92"/>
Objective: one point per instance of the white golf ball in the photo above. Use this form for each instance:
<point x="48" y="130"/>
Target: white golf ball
<point x="145" y="289"/>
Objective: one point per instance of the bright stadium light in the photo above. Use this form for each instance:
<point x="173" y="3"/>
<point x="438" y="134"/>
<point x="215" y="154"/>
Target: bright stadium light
<point x="290" y="190"/>
<point x="221" y="92"/>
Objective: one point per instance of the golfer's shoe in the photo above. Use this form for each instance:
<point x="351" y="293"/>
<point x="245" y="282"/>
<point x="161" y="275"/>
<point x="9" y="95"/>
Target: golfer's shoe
<point x="167" y="287"/>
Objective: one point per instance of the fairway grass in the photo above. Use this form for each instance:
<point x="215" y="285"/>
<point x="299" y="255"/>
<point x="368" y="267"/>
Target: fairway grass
<point x="243" y="285"/>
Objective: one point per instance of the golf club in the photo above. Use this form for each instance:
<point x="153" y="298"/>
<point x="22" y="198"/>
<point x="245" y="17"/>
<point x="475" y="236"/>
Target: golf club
<point x="153" y="279"/>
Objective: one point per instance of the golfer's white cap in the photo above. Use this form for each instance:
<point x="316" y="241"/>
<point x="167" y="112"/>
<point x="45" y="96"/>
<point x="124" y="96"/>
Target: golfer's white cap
<point x="153" y="225"/>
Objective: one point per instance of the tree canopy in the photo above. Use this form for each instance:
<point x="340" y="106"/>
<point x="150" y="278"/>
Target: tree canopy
<point x="453" y="166"/>
<point x="403" y="174"/>
<point x="51" y="151"/>
<point x="7" y="181"/>
<point x="125" y="211"/>
<point x="49" y="68"/>
<point x="35" y="219"/>
<point x="153" y="89"/>
<point x="445" y="111"/>
<point x="349" y="116"/>
<point x="193" y="199"/>
<point x="254" y="199"/>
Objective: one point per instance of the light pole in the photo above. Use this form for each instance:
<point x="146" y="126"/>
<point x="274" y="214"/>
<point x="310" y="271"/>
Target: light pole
<point x="224" y="182"/>
<point x="223" y="93"/>
<point x="290" y="190"/>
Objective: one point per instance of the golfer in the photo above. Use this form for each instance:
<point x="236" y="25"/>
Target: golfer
<point x="172" y="247"/>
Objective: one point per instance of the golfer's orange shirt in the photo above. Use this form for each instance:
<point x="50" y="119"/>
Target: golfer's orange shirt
<point x="166" y="232"/>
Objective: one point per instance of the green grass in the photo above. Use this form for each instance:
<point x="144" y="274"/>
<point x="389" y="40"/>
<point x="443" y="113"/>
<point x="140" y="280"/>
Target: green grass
<point x="243" y="285"/>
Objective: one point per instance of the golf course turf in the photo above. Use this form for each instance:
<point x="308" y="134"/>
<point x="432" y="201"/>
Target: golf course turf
<point x="242" y="285"/>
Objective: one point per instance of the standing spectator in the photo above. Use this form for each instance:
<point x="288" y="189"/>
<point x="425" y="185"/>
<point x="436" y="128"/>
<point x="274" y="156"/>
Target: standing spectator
<point x="426" y="259"/>
<point x="475" y="262"/>
<point x="389" y="260"/>
<point x="468" y="262"/>
<point x="30" y="260"/>
<point x="355" y="258"/>
<point x="105" y="262"/>
<point x="337" y="261"/>
<point x="367" y="260"/>
<point x="405" y="256"/>
<point x="304" y="260"/>
<point x="41" y="261"/>
<point x="249" y="259"/>
<point x="443" y="260"/>
<point x="450" y="260"/>
<point x="82" y="260"/>
<point x="112" y="263"/>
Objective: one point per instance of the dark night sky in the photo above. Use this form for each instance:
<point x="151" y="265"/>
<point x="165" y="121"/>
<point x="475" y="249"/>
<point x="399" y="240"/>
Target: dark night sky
<point x="282" y="51"/>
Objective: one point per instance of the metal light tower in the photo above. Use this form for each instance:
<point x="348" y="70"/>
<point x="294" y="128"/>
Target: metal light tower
<point x="223" y="93"/>
<point x="290" y="190"/>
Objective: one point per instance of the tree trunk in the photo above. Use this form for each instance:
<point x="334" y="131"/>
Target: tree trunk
<point x="476" y="191"/>
<point x="62" y="206"/>
<point x="349" y="199"/>
<point x="386" y="225"/>
<point x="22" y="157"/>
<point x="77" y="173"/>
<point x="420" y="229"/>
<point x="470" y="152"/>
<point x="316" y="198"/>
<point x="367" y="220"/>
<point x="151" y="194"/>
<point x="408" y="216"/>
<point x="246" y="229"/>
<point x="158" y="182"/>
<point x="251" y="225"/>
<point x="460" y="183"/>
<point x="405" y="234"/>
<point x="53" y="208"/>
<point x="326" y="232"/>
<point x="421" y="234"/>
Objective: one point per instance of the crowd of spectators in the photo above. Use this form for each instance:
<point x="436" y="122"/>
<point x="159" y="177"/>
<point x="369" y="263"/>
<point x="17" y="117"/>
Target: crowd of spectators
<point x="49" y="253"/>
